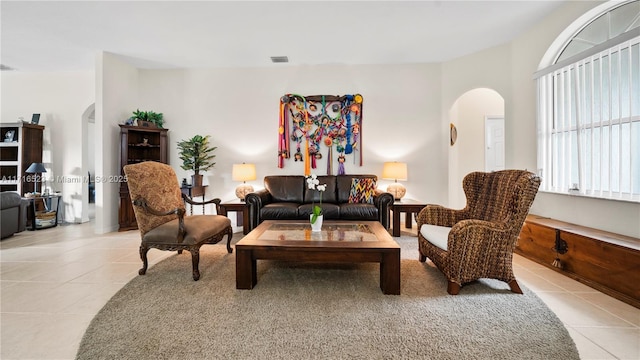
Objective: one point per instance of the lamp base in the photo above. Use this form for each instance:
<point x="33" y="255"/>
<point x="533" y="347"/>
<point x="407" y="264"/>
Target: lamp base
<point x="243" y="190"/>
<point x="397" y="190"/>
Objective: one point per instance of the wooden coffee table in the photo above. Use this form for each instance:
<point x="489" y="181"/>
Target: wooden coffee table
<point x="339" y="241"/>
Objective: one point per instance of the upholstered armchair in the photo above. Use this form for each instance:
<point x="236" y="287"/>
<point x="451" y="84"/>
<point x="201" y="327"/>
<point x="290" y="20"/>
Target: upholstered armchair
<point x="159" y="206"/>
<point x="478" y="241"/>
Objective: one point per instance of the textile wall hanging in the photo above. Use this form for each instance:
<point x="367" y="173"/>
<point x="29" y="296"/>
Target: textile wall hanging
<point x="312" y="125"/>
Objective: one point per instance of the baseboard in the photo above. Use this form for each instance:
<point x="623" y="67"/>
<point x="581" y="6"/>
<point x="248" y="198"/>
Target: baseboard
<point x="605" y="261"/>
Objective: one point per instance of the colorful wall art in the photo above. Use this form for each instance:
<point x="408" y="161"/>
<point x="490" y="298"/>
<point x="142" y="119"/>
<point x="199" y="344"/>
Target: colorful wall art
<point x="310" y="126"/>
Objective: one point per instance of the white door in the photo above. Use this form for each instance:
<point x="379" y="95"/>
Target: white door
<point x="494" y="143"/>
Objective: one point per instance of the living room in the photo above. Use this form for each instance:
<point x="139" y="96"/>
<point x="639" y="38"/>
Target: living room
<point x="407" y="112"/>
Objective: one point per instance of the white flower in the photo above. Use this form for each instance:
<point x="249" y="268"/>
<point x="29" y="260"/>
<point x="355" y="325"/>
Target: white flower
<point x="322" y="187"/>
<point x="312" y="182"/>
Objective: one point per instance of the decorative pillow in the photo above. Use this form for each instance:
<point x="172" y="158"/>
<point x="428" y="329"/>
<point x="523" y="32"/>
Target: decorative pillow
<point x="362" y="190"/>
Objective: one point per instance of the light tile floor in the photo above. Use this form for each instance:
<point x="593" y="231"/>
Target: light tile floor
<point x="54" y="281"/>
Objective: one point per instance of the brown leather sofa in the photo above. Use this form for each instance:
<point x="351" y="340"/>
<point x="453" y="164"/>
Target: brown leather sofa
<point x="13" y="213"/>
<point x="287" y="197"/>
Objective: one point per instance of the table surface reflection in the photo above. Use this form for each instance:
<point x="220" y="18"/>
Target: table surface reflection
<point x="355" y="232"/>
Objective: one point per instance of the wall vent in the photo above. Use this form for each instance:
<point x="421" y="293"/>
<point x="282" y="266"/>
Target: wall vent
<point x="279" y="59"/>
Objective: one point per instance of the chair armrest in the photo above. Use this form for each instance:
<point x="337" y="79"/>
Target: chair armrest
<point x="439" y="216"/>
<point x="141" y="202"/>
<point x="190" y="201"/>
<point x="479" y="236"/>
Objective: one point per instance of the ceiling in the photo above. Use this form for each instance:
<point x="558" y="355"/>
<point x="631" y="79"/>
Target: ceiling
<point x="65" y="36"/>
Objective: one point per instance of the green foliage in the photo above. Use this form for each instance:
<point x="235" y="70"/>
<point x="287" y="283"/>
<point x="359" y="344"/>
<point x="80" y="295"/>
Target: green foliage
<point x="156" y="118"/>
<point x="195" y="154"/>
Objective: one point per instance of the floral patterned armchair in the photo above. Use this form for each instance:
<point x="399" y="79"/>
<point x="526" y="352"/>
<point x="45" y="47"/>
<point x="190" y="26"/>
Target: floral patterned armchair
<point x="160" y="213"/>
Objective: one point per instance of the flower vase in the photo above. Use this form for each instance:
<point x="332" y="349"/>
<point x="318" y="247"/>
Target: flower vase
<point x="317" y="226"/>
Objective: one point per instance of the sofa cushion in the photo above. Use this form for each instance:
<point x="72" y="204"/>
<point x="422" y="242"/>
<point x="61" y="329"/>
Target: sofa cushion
<point x="330" y="211"/>
<point x="279" y="211"/>
<point x="358" y="212"/>
<point x="437" y="235"/>
<point x="362" y="191"/>
<point x="328" y="196"/>
<point x="343" y="183"/>
<point x="198" y="228"/>
<point x="285" y="188"/>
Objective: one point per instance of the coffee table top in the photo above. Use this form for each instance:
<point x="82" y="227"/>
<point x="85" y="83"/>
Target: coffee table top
<point x="344" y="234"/>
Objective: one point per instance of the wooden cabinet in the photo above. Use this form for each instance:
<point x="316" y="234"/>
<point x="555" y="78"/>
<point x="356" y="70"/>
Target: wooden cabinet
<point x="605" y="261"/>
<point x="138" y="144"/>
<point x="20" y="145"/>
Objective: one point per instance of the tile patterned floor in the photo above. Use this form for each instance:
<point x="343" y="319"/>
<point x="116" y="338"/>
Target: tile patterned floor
<point x="52" y="283"/>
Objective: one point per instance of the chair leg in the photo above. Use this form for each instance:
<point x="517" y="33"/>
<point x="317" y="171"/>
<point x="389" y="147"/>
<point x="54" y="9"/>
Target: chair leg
<point x="513" y="284"/>
<point x="195" y="260"/>
<point x="179" y="251"/>
<point x="422" y="258"/>
<point x="143" y="256"/>
<point x="453" y="288"/>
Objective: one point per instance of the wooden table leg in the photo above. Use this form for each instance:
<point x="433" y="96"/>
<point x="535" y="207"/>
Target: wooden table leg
<point x="390" y="272"/>
<point x="246" y="270"/>
<point x="408" y="217"/>
<point x="396" y="222"/>
<point x="245" y="222"/>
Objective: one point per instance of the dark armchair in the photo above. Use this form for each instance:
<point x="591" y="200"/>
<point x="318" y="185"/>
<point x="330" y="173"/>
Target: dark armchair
<point x="160" y="213"/>
<point x="478" y="241"/>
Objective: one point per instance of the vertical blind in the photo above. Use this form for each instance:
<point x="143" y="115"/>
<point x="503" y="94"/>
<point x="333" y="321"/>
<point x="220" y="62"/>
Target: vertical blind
<point x="589" y="125"/>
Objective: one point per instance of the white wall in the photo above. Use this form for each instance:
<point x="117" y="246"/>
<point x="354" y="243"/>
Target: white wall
<point x="60" y="98"/>
<point x="239" y="109"/>
<point x="116" y="98"/>
<point x="509" y="70"/>
<point x="406" y="117"/>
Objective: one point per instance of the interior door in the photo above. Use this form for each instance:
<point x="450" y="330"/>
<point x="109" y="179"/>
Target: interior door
<point x="494" y="143"/>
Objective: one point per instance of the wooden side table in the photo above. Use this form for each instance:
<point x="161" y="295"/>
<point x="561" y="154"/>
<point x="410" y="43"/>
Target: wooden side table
<point x="41" y="213"/>
<point x="193" y="191"/>
<point x="240" y="208"/>
<point x="407" y="206"/>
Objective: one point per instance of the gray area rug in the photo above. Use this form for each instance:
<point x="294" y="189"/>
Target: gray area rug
<point x="319" y="311"/>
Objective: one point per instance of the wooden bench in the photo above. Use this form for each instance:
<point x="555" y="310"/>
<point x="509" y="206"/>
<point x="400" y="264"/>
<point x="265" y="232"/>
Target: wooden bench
<point x="605" y="261"/>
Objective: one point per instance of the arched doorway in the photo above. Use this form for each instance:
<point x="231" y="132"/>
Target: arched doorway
<point x="88" y="162"/>
<point x="469" y="115"/>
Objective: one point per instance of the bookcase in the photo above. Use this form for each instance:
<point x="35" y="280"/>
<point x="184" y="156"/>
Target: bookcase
<point x="20" y="145"/>
<point x="138" y="144"/>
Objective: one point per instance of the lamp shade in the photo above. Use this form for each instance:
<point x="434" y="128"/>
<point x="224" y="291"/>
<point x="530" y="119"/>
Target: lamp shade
<point x="394" y="171"/>
<point x="243" y="172"/>
<point x="36" y="168"/>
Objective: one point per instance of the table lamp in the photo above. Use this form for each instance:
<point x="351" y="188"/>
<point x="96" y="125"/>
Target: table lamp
<point x="36" y="168"/>
<point x="243" y="172"/>
<point x="395" y="171"/>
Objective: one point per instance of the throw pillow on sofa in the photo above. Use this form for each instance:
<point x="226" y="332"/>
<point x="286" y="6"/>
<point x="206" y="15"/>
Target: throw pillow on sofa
<point x="362" y="191"/>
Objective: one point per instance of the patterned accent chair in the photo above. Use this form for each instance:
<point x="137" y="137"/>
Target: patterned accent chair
<point x="478" y="241"/>
<point x="159" y="206"/>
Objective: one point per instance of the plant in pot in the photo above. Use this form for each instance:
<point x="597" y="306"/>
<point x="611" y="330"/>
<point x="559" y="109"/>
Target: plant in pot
<point x="148" y="118"/>
<point x="196" y="155"/>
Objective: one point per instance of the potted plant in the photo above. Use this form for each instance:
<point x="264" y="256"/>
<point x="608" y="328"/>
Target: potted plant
<point x="196" y="155"/>
<point x="148" y="118"/>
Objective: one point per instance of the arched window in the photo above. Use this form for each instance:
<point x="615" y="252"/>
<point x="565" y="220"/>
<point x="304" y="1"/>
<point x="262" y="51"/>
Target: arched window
<point x="589" y="107"/>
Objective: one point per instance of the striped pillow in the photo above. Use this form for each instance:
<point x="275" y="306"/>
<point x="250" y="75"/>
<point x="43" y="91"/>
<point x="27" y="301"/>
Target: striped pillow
<point x="362" y="191"/>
